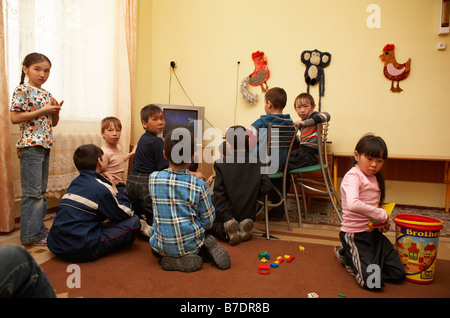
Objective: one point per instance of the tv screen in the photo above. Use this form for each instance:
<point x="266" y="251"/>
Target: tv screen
<point x="176" y="118"/>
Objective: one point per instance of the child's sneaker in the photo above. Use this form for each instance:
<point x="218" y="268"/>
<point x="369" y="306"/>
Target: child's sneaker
<point x="231" y="228"/>
<point x="145" y="228"/>
<point x="219" y="255"/>
<point x="42" y="243"/>
<point x="246" y="229"/>
<point x="188" y="263"/>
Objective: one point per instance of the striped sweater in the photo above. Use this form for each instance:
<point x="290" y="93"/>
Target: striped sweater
<point x="308" y="134"/>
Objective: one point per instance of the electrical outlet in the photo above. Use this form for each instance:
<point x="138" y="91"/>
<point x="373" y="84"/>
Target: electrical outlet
<point x="441" y="46"/>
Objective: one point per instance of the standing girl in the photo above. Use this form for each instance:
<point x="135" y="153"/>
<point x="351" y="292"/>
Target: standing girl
<point x="362" y="194"/>
<point x="36" y="112"/>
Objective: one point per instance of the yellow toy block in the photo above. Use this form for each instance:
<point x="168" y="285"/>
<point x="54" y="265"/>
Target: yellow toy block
<point x="388" y="207"/>
<point x="301" y="248"/>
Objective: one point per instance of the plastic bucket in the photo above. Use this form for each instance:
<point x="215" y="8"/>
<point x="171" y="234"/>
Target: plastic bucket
<point x="416" y="244"/>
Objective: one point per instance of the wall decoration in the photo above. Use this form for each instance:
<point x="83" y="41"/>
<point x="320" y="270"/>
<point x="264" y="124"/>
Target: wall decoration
<point x="258" y="77"/>
<point x="393" y="70"/>
<point x="315" y="62"/>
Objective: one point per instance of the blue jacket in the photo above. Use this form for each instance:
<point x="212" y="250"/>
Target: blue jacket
<point x="89" y="200"/>
<point x="261" y="126"/>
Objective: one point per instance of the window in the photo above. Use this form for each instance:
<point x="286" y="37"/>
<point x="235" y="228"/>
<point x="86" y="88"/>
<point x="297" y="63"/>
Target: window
<point x="80" y="38"/>
<point x="87" y="43"/>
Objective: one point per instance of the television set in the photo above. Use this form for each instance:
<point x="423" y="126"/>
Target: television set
<point x="190" y="117"/>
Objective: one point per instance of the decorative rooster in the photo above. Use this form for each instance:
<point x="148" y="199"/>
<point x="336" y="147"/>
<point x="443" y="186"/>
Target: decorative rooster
<point x="261" y="73"/>
<point x="392" y="70"/>
<point x="258" y="77"/>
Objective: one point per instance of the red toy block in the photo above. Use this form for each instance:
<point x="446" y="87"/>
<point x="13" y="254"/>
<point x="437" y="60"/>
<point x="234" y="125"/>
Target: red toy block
<point x="264" y="269"/>
<point x="290" y="259"/>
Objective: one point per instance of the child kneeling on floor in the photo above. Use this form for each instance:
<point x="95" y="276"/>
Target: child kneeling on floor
<point x="182" y="211"/>
<point x="362" y="193"/>
<point x="93" y="218"/>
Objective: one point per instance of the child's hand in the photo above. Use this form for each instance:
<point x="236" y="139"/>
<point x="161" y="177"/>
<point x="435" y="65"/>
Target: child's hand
<point x="210" y="180"/>
<point x="300" y="123"/>
<point x="53" y="101"/>
<point x="197" y="174"/>
<point x="134" y="150"/>
<point x="385" y="227"/>
<point x="53" y="107"/>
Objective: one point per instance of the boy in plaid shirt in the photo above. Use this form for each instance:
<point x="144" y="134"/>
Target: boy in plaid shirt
<point x="182" y="211"/>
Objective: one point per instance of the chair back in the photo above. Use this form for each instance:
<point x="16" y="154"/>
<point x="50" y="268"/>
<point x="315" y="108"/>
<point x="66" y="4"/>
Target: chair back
<point x="322" y="139"/>
<point x="280" y="141"/>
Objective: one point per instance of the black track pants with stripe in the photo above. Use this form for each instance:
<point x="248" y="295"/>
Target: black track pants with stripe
<point x="360" y="250"/>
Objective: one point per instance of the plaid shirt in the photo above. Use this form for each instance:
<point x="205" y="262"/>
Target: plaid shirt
<point x="182" y="210"/>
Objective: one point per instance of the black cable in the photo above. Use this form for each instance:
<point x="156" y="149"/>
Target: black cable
<point x="170" y="82"/>
<point x="179" y="82"/>
<point x="182" y="87"/>
<point x="237" y="85"/>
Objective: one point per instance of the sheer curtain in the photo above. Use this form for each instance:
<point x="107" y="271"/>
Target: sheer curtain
<point x="91" y="45"/>
<point x="6" y="181"/>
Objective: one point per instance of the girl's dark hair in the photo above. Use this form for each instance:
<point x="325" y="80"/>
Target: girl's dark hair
<point x="375" y="147"/>
<point x="31" y="59"/>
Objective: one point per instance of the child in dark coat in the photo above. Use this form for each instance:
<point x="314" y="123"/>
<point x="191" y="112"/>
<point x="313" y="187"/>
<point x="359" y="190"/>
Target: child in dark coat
<point x="237" y="186"/>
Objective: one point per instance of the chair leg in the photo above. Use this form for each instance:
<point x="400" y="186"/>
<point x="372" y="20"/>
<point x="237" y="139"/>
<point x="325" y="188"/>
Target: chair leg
<point x="287" y="214"/>
<point x="266" y="214"/>
<point x="331" y="194"/>
<point x="305" y="204"/>
<point x="299" y="212"/>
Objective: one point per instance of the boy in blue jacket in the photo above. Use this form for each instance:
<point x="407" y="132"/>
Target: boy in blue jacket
<point x="274" y="103"/>
<point x="93" y="218"/>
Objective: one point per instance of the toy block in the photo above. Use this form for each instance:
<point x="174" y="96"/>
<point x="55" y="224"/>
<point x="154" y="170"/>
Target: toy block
<point x="264" y="269"/>
<point x="264" y="255"/>
<point x="313" y="295"/>
<point x="286" y="256"/>
<point x="388" y="207"/>
<point x="280" y="259"/>
<point x="274" y="265"/>
<point x="342" y="295"/>
<point x="301" y="248"/>
<point x="263" y="260"/>
<point x="290" y="259"/>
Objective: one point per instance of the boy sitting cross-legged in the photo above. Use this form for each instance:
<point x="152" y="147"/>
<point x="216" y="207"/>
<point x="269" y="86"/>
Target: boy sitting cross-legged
<point x="80" y="231"/>
<point x="182" y="211"/>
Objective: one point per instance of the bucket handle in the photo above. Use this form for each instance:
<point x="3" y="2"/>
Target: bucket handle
<point x="420" y="223"/>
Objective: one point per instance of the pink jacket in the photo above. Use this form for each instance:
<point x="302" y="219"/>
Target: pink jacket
<point x="360" y="196"/>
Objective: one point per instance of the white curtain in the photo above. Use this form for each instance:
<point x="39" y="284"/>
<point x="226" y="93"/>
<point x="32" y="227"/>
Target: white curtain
<point x="91" y="44"/>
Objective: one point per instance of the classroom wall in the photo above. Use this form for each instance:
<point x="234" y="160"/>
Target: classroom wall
<point x="207" y="39"/>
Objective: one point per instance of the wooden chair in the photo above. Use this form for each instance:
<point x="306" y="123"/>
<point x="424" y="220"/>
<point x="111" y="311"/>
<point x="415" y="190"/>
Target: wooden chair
<point x="279" y="138"/>
<point x="324" y="186"/>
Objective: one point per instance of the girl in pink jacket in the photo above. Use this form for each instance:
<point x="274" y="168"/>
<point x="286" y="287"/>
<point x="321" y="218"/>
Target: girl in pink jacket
<point x="367" y="254"/>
